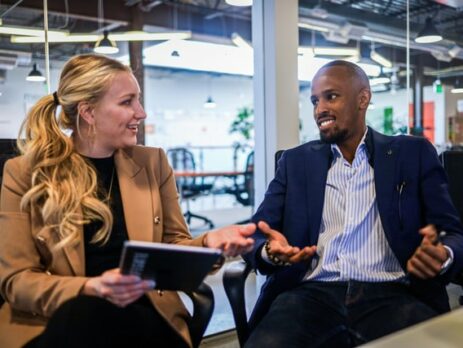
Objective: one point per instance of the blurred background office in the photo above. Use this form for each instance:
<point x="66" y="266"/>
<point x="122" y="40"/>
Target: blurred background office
<point x="213" y="89"/>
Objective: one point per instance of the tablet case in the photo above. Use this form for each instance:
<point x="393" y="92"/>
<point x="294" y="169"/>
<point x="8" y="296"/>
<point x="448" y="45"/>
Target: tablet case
<point x="172" y="266"/>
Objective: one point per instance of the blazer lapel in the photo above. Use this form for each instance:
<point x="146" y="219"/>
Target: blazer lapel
<point x="385" y="158"/>
<point x="136" y="197"/>
<point x="75" y="254"/>
<point x="316" y="166"/>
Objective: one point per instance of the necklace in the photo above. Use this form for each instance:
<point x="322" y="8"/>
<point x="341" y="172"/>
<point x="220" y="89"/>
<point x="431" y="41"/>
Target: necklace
<point x="108" y="195"/>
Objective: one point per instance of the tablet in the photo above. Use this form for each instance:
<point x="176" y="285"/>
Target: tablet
<point x="171" y="266"/>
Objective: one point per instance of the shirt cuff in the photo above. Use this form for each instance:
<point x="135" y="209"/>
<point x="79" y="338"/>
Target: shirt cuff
<point x="448" y="263"/>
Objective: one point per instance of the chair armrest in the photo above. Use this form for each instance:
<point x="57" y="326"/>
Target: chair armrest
<point x="203" y="306"/>
<point x="234" y="279"/>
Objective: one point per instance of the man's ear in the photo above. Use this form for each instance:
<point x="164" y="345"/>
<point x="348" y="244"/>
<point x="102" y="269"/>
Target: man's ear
<point x="364" y="98"/>
<point x="85" y="110"/>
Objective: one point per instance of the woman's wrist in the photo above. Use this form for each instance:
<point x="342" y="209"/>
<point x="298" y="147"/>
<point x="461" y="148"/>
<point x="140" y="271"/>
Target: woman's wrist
<point x="204" y="242"/>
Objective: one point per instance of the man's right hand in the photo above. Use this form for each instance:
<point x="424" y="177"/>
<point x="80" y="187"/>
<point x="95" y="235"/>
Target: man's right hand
<point x="279" y="246"/>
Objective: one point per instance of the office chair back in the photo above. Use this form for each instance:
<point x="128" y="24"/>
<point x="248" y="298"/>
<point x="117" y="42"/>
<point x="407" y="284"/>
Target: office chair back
<point x="181" y="159"/>
<point x="453" y="165"/>
<point x="8" y="150"/>
<point x="190" y="187"/>
<point x="243" y="185"/>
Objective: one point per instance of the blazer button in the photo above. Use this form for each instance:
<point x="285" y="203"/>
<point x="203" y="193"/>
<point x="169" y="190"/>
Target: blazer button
<point x="157" y="220"/>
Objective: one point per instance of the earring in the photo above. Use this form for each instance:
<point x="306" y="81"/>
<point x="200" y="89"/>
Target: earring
<point x="91" y="132"/>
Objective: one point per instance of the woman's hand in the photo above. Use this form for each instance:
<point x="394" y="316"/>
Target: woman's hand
<point x="233" y="240"/>
<point x="279" y="246"/>
<point x="118" y="289"/>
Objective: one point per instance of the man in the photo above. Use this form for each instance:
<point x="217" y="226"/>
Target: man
<point x="351" y="229"/>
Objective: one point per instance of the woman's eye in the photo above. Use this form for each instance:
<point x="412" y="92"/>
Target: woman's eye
<point x="126" y="102"/>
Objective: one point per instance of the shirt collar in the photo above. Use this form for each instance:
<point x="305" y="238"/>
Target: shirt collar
<point x="364" y="145"/>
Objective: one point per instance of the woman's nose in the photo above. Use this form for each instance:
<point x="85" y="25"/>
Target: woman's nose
<point x="140" y="112"/>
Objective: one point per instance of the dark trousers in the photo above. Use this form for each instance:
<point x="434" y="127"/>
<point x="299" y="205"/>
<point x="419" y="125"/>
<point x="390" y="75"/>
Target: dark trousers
<point x="89" y="321"/>
<point x="337" y="314"/>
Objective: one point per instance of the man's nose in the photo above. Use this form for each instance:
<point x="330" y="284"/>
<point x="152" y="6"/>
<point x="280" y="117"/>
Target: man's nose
<point x="320" y="108"/>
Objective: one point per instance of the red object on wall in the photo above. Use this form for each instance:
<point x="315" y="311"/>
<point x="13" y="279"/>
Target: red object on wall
<point x="428" y="119"/>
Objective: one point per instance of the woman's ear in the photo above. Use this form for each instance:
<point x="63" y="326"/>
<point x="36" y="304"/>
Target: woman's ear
<point x="364" y="99"/>
<point x="85" y="110"/>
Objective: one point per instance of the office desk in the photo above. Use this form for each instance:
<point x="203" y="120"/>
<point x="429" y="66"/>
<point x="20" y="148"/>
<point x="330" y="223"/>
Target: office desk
<point x="193" y="174"/>
<point x="445" y="331"/>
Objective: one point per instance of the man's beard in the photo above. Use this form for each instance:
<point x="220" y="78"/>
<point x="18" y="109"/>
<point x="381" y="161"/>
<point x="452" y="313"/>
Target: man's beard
<point x="335" y="137"/>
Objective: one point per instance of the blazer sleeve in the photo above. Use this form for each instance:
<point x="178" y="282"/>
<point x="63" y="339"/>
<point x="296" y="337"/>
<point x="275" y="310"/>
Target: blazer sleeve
<point x="25" y="282"/>
<point x="438" y="206"/>
<point x="271" y="210"/>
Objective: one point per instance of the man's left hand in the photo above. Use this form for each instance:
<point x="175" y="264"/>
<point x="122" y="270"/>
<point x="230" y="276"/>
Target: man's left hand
<point x="429" y="257"/>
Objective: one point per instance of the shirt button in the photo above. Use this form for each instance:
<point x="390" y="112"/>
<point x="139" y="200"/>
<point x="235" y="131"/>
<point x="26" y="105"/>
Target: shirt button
<point x="157" y="220"/>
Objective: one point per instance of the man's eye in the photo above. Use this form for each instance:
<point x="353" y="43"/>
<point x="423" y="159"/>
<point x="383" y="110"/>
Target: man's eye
<point x="332" y="96"/>
<point x="314" y="101"/>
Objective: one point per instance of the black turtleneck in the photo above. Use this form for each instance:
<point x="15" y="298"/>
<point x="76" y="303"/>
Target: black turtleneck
<point x="98" y="257"/>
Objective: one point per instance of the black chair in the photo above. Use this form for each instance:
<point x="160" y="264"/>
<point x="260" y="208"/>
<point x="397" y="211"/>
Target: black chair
<point x="234" y="278"/>
<point x="453" y="164"/>
<point x="190" y="187"/>
<point x="243" y="185"/>
<point x="8" y="150"/>
<point x="203" y="306"/>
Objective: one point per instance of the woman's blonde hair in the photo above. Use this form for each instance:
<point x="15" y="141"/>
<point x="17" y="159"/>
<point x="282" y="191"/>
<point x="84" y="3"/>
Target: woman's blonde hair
<point x="64" y="184"/>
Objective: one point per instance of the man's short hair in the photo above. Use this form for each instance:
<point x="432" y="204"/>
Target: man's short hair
<point x="353" y="69"/>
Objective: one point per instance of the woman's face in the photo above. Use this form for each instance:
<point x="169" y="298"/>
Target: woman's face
<point x="116" y="117"/>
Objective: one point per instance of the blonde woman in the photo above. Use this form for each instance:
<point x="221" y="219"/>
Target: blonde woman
<point x="68" y="204"/>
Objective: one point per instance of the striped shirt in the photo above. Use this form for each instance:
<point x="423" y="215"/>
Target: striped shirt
<point x="352" y="244"/>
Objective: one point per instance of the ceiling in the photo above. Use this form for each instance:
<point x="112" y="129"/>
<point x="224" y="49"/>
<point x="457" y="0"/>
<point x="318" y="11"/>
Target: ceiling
<point x="352" y="22"/>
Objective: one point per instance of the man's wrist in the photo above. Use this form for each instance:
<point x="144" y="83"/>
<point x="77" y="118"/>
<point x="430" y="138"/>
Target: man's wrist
<point x="448" y="263"/>
<point x="272" y="258"/>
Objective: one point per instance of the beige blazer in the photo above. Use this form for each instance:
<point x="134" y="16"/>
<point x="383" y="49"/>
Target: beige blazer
<point x="34" y="280"/>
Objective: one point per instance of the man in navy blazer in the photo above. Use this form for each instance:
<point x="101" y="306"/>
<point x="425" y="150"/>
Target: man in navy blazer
<point x="357" y="232"/>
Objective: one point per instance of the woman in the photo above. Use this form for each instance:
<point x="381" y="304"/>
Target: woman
<point x="70" y="201"/>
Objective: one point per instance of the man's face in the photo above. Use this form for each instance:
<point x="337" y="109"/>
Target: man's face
<point x="337" y="101"/>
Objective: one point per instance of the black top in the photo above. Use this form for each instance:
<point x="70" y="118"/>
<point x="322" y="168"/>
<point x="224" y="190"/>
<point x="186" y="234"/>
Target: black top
<point x="98" y="257"/>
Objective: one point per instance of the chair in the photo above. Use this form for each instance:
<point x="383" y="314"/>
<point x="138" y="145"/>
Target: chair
<point x="203" y="306"/>
<point x="453" y="164"/>
<point x="234" y="278"/>
<point x="8" y="150"/>
<point x="190" y="187"/>
<point x="243" y="185"/>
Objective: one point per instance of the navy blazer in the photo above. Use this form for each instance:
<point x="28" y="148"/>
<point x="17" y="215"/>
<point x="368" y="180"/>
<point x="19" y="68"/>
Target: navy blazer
<point x="411" y="192"/>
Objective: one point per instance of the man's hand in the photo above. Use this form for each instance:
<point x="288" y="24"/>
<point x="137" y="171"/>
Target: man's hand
<point x="279" y="247"/>
<point x="118" y="289"/>
<point x="429" y="257"/>
<point x="233" y="240"/>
